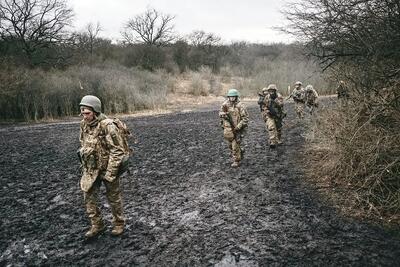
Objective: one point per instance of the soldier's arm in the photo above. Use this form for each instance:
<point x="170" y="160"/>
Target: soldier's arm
<point x="279" y="100"/>
<point x="115" y="147"/>
<point x="223" y="110"/>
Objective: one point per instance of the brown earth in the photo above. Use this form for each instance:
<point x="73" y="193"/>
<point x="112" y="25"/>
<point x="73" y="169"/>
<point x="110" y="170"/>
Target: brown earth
<point x="184" y="204"/>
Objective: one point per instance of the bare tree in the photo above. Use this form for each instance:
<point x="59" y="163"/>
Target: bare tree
<point x="347" y="30"/>
<point x="34" y="24"/>
<point x="151" y="27"/>
<point x="201" y="38"/>
<point x="92" y="32"/>
<point x="88" y="38"/>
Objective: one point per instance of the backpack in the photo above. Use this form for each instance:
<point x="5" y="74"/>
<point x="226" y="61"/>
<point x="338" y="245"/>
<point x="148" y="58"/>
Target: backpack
<point x="125" y="134"/>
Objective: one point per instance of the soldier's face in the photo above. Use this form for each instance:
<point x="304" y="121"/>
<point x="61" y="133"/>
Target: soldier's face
<point x="87" y="114"/>
<point x="232" y="98"/>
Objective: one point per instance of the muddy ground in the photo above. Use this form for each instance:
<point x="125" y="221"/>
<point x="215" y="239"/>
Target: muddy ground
<point x="185" y="205"/>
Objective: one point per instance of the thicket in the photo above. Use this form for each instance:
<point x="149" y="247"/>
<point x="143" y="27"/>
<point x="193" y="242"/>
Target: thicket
<point x="33" y="94"/>
<point x="358" y="142"/>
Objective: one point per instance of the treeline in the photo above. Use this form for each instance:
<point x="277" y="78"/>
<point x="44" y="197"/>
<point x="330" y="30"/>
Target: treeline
<point x="128" y="79"/>
<point x="358" y="144"/>
<point x="46" y="67"/>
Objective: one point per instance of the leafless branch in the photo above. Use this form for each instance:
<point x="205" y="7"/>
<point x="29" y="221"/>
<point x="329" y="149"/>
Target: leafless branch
<point x="151" y="27"/>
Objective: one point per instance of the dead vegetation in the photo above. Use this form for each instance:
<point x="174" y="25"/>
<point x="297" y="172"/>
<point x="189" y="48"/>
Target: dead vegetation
<point x="356" y="146"/>
<point x="354" y="156"/>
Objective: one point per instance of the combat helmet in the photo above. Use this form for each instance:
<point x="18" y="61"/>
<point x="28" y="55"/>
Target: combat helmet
<point x="309" y="87"/>
<point x="233" y="92"/>
<point x="92" y="102"/>
<point x="272" y="87"/>
<point x="298" y="83"/>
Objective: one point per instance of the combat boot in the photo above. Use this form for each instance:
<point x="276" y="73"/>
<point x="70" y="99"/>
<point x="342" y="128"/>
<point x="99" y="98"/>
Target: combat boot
<point x="117" y="230"/>
<point x="95" y="230"/>
<point x="235" y="164"/>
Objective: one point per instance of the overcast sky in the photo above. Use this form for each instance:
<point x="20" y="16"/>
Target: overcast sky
<point x="232" y="20"/>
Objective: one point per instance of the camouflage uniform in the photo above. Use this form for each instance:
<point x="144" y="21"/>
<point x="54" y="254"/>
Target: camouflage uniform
<point x="102" y="151"/>
<point x="273" y="114"/>
<point x="342" y="92"/>
<point x="239" y="116"/>
<point x="298" y="98"/>
<point x="311" y="97"/>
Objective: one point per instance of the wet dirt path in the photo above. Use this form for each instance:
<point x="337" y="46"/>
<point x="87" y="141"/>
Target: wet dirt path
<point x="185" y="205"/>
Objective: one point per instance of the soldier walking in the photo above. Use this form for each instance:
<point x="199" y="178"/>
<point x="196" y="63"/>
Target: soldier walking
<point x="234" y="120"/>
<point x="102" y="153"/>
<point x="298" y="98"/>
<point x="273" y="114"/>
<point x="342" y="92"/>
<point x="311" y="98"/>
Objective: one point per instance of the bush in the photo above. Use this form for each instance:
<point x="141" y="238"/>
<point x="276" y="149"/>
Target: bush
<point x="198" y="86"/>
<point x="35" y="94"/>
<point x="358" y="149"/>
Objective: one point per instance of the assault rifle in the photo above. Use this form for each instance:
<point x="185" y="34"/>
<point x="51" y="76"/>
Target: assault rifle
<point x="272" y="110"/>
<point x="292" y="95"/>
<point x="78" y="152"/>
<point x="228" y="118"/>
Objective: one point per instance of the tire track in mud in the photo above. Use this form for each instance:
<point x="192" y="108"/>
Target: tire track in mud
<point x="185" y="205"/>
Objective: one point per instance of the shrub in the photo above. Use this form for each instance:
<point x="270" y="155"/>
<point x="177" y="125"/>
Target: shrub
<point x="36" y="94"/>
<point x="358" y="149"/>
<point x="198" y="86"/>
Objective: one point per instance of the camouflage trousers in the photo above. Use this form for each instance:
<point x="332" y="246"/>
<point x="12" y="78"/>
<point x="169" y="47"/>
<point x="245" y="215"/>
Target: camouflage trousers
<point x="274" y="128"/>
<point x="236" y="147"/>
<point x="113" y="194"/>
<point x="310" y="106"/>
<point x="299" y="107"/>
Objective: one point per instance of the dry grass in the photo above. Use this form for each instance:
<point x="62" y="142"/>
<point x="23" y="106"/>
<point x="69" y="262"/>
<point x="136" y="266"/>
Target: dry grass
<point x="354" y="156"/>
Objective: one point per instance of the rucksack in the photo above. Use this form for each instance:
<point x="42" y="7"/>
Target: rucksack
<point x="125" y="133"/>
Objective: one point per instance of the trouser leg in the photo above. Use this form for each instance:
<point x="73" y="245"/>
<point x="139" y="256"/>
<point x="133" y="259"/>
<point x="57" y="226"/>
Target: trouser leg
<point x="272" y="131"/>
<point x="279" y="134"/>
<point x="236" y="151"/>
<point x="114" y="198"/>
<point x="299" y="109"/>
<point x="91" y="203"/>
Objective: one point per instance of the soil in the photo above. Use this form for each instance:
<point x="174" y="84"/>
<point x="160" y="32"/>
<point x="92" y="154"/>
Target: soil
<point x="184" y="204"/>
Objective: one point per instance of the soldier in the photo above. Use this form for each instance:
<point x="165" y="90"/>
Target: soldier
<point x="311" y="97"/>
<point x="273" y="114"/>
<point x="102" y="153"/>
<point x="298" y="98"/>
<point x="342" y="92"/>
<point x="234" y="119"/>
